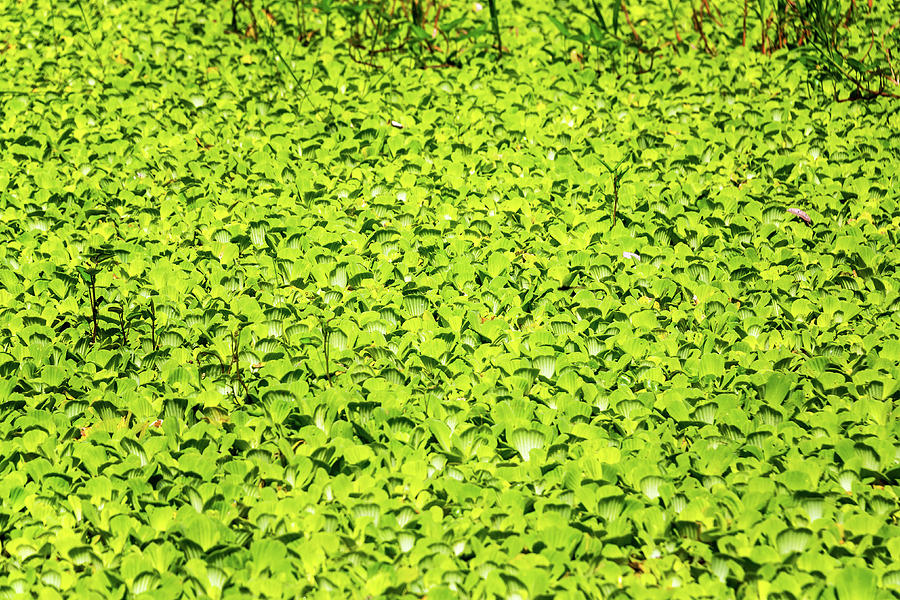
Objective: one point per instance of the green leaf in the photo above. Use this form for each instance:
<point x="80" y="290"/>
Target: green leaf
<point x="776" y="389"/>
<point x="855" y="583"/>
<point x="525" y="441"/>
<point x="712" y="364"/>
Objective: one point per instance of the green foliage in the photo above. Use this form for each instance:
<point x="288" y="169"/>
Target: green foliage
<point x="433" y="33"/>
<point x="846" y="48"/>
<point x="841" y="55"/>
<point x="273" y="324"/>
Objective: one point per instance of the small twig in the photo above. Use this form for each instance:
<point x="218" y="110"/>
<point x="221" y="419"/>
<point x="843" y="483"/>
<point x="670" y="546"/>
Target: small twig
<point x="862" y="92"/>
<point x="887" y="52"/>
<point x="387" y="49"/>
<point x="744" y="34"/>
<point x="235" y="360"/>
<point x="92" y="295"/>
<point x="708" y="10"/>
<point x="253" y="23"/>
<point x="363" y="62"/>
<point x="88" y="25"/>
<point x="215" y="355"/>
<point x="615" y="198"/>
<point x="301" y="19"/>
<point x="122" y="326"/>
<point x="869" y="49"/>
<point x="674" y="22"/>
<point x="634" y="32"/>
<point x="639" y="71"/>
<point x="152" y="325"/>
<point x="765" y="32"/>
<point x="616" y="175"/>
<point x="495" y="21"/>
<point x="377" y="26"/>
<point x="697" y="19"/>
<point x="325" y="337"/>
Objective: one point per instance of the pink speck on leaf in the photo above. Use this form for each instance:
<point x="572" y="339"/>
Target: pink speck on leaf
<point x="631" y="255"/>
<point x="799" y="213"/>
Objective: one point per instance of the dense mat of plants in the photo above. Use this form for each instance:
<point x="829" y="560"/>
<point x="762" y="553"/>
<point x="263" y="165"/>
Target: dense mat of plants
<point x="275" y="323"/>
